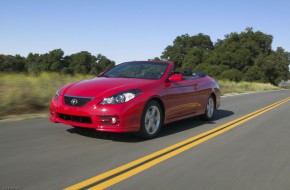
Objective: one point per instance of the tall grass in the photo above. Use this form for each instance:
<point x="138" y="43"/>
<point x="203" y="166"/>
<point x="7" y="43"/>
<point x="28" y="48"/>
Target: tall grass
<point x="22" y="94"/>
<point x="228" y="87"/>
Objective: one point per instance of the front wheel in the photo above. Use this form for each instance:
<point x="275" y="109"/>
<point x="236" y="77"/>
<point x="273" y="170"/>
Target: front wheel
<point x="209" y="110"/>
<point x="151" y="120"/>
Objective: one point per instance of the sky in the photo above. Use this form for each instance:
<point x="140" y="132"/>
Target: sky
<point x="126" y="30"/>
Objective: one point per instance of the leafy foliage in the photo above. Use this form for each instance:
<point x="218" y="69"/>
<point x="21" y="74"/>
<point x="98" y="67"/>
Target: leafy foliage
<point x="232" y="75"/>
<point x="244" y="56"/>
<point x="181" y="49"/>
<point x="12" y="63"/>
<point x="55" y="61"/>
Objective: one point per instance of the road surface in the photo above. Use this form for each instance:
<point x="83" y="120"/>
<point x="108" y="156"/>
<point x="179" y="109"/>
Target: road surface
<point x="255" y="154"/>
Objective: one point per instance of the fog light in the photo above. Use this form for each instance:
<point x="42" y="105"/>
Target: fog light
<point x="114" y="120"/>
<point x="107" y="120"/>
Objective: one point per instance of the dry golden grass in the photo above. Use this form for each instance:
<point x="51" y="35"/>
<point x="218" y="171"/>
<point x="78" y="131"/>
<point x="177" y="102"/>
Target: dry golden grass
<point x="228" y="87"/>
<point x="22" y="94"/>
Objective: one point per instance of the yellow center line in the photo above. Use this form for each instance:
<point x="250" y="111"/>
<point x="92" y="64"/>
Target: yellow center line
<point x="123" y="172"/>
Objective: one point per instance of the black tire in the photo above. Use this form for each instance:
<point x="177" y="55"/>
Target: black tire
<point x="209" y="109"/>
<point x="150" y="127"/>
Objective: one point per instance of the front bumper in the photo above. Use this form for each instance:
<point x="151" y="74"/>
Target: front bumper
<point x="94" y="115"/>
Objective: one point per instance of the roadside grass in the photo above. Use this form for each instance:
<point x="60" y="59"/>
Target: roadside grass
<point x="229" y="87"/>
<point x="25" y="94"/>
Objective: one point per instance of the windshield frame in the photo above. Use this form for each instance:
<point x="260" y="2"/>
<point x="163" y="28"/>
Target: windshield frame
<point x="138" y="63"/>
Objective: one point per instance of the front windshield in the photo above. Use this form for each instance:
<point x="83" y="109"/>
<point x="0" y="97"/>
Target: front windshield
<point x="143" y="70"/>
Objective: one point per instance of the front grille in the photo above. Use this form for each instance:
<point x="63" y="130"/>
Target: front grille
<point x="76" y="101"/>
<point x="74" y="118"/>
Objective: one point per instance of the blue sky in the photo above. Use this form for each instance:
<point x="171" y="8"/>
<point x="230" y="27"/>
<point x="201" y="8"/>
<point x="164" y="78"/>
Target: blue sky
<point x="125" y="30"/>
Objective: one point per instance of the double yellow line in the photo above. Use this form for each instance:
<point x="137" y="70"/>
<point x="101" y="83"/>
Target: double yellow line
<point x="123" y="172"/>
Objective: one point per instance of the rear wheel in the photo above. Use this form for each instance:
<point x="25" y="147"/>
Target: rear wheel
<point x="209" y="110"/>
<point x="151" y="120"/>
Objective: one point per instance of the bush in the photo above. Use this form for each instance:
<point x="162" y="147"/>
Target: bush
<point x="212" y="70"/>
<point x="254" y="74"/>
<point x="232" y="75"/>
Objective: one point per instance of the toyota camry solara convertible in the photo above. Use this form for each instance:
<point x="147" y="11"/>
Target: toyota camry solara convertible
<point x="139" y="96"/>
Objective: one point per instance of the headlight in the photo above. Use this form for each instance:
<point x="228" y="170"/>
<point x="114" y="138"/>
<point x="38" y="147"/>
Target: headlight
<point x="57" y="93"/>
<point x="121" y="97"/>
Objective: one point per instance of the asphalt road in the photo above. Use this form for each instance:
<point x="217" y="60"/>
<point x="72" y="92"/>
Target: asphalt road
<point x="37" y="154"/>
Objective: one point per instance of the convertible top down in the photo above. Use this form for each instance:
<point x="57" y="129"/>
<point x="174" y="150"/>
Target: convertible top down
<point x="138" y="96"/>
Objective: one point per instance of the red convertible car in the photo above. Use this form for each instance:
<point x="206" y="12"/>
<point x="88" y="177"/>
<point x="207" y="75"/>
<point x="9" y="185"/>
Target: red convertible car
<point x="139" y="96"/>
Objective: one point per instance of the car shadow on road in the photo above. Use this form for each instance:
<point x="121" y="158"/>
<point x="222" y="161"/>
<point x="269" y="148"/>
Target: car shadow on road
<point x="169" y="129"/>
<point x="119" y="137"/>
<point x="192" y="122"/>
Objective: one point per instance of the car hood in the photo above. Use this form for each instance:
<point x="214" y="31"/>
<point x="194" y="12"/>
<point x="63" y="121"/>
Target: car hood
<point x="102" y="87"/>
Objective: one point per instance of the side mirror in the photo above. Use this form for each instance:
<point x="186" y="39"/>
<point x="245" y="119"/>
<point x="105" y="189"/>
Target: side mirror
<point x="175" y="78"/>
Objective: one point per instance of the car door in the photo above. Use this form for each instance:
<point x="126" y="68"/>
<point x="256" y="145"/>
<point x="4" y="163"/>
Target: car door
<point x="181" y="98"/>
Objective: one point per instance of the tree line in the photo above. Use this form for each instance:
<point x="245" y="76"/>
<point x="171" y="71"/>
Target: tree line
<point x="54" y="61"/>
<point x="246" y="56"/>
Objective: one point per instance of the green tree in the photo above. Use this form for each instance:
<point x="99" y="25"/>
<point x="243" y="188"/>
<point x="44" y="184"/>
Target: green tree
<point x="80" y="62"/>
<point x="213" y="70"/>
<point x="182" y="46"/>
<point x="155" y="59"/>
<point x="10" y="63"/>
<point x="275" y="68"/>
<point x="194" y="57"/>
<point x="32" y="63"/>
<point x="238" y="51"/>
<point x="254" y="74"/>
<point x="55" y="59"/>
<point x="232" y="74"/>
<point x="101" y="64"/>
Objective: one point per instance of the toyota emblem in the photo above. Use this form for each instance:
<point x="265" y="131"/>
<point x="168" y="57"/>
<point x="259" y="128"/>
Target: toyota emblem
<point x="74" y="101"/>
